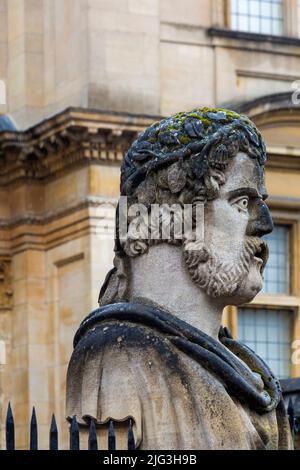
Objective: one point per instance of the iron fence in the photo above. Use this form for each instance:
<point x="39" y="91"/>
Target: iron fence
<point x="74" y="431"/>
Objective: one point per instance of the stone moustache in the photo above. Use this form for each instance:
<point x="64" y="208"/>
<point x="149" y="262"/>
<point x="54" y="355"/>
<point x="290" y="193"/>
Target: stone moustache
<point x="155" y="350"/>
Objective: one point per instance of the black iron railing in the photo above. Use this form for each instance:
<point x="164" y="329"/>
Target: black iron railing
<point x="74" y="434"/>
<point x="92" y="435"/>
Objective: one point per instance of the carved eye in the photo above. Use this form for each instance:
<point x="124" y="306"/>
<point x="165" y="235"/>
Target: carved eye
<point x="242" y="204"/>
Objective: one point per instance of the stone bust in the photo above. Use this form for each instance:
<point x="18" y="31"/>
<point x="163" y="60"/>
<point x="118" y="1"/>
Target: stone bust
<point x="155" y="351"/>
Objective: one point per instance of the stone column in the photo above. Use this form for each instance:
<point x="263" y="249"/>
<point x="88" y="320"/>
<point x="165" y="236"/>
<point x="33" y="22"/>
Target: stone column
<point x="31" y="379"/>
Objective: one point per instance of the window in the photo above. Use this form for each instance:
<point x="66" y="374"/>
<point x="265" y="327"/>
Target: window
<point x="277" y="271"/>
<point x="268" y="330"/>
<point x="257" y="16"/>
<point x="268" y="333"/>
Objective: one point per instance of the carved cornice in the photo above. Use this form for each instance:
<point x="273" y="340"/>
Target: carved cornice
<point x="79" y="136"/>
<point x="255" y="37"/>
<point x="56" y="228"/>
<point x="5" y="284"/>
<point x="285" y="162"/>
<point x="75" y="136"/>
<point x="49" y="216"/>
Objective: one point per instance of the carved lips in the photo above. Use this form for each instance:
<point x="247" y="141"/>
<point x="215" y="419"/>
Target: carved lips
<point x="261" y="255"/>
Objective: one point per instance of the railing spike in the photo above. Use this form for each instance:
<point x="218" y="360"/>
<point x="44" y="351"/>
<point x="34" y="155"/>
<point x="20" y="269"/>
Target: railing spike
<point x="131" y="443"/>
<point x="10" y="429"/>
<point x="92" y="444"/>
<point x="111" y="436"/>
<point x="33" y="431"/>
<point x="74" y="435"/>
<point x="291" y="415"/>
<point x="53" y="435"/>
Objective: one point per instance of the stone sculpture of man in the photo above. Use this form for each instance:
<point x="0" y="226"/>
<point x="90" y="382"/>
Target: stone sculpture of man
<point x="155" y="351"/>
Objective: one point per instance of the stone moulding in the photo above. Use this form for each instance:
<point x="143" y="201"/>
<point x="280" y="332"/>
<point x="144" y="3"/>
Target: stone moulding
<point x="270" y="112"/>
<point x="257" y="37"/>
<point x="53" y="228"/>
<point x="50" y="216"/>
<point x="75" y="136"/>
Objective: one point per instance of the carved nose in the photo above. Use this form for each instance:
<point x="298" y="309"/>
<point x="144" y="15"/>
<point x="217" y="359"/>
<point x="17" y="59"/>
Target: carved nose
<point x="261" y="224"/>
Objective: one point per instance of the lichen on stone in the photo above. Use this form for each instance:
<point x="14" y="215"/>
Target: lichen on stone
<point x="206" y="137"/>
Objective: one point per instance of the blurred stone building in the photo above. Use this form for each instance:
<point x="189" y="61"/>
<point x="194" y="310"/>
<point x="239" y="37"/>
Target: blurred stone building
<point x="82" y="78"/>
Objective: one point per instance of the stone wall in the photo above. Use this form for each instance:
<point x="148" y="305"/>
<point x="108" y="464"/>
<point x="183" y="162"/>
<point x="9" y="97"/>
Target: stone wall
<point x="56" y="246"/>
<point x="140" y="56"/>
<point x="59" y="180"/>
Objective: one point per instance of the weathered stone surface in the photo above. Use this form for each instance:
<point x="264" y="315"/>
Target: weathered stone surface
<point x="57" y="195"/>
<point x="143" y="57"/>
<point x="5" y="284"/>
<point x="157" y="338"/>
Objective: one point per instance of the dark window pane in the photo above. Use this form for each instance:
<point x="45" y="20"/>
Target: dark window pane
<point x="268" y="333"/>
<point x="276" y="275"/>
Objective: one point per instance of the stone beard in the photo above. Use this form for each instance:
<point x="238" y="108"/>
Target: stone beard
<point x="223" y="278"/>
<point x="155" y="352"/>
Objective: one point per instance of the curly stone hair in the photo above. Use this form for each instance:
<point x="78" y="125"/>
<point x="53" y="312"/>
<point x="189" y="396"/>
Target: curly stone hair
<point x="203" y="139"/>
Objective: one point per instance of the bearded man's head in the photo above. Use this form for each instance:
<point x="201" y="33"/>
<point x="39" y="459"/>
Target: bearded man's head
<point x="212" y="158"/>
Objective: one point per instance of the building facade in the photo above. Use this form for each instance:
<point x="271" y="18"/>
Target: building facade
<point x="82" y="78"/>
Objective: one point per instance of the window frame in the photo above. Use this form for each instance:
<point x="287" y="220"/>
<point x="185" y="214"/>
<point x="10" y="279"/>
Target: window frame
<point x="283" y="19"/>
<point x="290" y="253"/>
<point x="290" y="21"/>
<point x="293" y="311"/>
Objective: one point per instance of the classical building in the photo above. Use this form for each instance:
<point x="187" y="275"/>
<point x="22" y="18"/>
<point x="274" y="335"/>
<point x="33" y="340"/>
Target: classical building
<point x="82" y="78"/>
